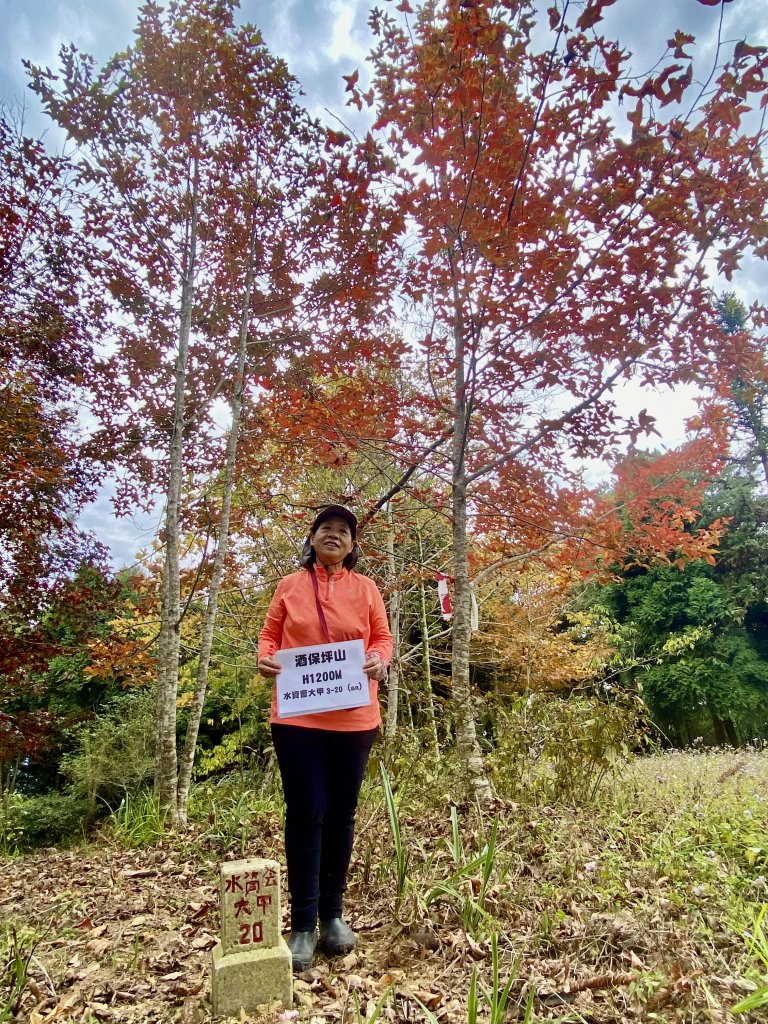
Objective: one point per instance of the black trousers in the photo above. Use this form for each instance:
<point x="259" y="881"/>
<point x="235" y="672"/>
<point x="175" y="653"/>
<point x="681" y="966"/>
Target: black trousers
<point x="322" y="772"/>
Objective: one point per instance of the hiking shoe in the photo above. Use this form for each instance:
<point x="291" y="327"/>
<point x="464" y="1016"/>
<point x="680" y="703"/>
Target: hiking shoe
<point x="302" y="947"/>
<point x="336" y="937"/>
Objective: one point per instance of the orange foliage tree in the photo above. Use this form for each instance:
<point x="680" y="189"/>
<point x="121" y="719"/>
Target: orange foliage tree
<point x="226" y="250"/>
<point x="49" y="317"/>
<point x="48" y="321"/>
<point x="564" y="217"/>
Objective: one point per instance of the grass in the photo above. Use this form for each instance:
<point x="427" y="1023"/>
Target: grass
<point x="225" y="814"/>
<point x="467" y="887"/>
<point x="757" y="947"/>
<point x="138" y="822"/>
<point x="17" y="949"/>
<point x="656" y="877"/>
<point x="401" y="857"/>
<point x="633" y="905"/>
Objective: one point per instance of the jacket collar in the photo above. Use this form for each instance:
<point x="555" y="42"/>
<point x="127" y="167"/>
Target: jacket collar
<point x="323" y="575"/>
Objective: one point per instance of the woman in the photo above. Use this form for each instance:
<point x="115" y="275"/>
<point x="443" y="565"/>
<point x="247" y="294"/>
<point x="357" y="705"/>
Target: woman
<point x="323" y="755"/>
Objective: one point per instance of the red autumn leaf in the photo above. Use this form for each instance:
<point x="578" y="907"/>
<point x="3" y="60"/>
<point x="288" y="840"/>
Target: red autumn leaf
<point x="351" y="80"/>
<point x="678" y="42"/>
<point x="336" y="138"/>
<point x="743" y="49"/>
<point x="590" y="16"/>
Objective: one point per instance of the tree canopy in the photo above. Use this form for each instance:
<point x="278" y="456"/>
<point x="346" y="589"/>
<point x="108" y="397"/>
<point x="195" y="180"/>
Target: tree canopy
<point x="432" y="322"/>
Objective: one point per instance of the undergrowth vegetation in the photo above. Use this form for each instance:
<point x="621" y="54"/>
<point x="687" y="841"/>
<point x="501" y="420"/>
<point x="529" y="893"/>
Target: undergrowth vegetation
<point x="642" y="899"/>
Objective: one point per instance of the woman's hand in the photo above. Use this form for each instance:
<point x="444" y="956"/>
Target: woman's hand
<point x="375" y="667"/>
<point x="269" y="666"/>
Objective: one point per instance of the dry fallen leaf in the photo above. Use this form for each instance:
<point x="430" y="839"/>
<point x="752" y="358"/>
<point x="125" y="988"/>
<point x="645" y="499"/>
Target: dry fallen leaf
<point x="98" y="946"/>
<point x="191" y="1012"/>
<point x="90" y="969"/>
<point x="476" y="950"/>
<point x="349" y="961"/>
<point x="100" y="1010"/>
<point x="184" y="990"/>
<point x="634" y="959"/>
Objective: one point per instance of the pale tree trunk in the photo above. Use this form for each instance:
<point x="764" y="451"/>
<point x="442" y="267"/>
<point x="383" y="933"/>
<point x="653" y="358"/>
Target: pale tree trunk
<point x="466" y="730"/>
<point x="426" y="674"/>
<point x="170" y="617"/>
<point x="162" y="723"/>
<point x="187" y="759"/>
<point x="393" y="684"/>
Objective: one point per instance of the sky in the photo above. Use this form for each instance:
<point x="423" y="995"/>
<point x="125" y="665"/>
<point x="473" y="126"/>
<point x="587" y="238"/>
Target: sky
<point x="321" y="40"/>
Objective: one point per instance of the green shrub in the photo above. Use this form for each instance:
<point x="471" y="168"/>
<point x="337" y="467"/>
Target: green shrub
<point x="46" y="820"/>
<point x="561" y="748"/>
<point x="138" y="822"/>
<point x="114" y="758"/>
<point x="10" y="824"/>
<point x="243" y="707"/>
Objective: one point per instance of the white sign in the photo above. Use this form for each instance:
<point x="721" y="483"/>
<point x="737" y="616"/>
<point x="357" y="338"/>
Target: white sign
<point x="327" y="677"/>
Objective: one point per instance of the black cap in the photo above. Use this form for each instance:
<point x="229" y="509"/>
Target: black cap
<point x="336" y="510"/>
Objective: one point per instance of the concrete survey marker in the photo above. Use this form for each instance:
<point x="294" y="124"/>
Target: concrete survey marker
<point x="252" y="962"/>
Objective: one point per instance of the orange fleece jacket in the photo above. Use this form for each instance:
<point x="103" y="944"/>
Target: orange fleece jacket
<point x="354" y="610"/>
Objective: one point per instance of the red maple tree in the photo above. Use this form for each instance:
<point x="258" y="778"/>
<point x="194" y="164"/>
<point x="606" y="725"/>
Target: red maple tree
<point x="49" y="316"/>
<point x="565" y="217"/>
<point x="231" y="263"/>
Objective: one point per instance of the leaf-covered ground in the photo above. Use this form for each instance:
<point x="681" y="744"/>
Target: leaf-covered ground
<point x="632" y="908"/>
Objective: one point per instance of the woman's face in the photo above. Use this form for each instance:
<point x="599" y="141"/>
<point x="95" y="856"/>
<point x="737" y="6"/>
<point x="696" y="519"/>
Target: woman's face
<point x="332" y="540"/>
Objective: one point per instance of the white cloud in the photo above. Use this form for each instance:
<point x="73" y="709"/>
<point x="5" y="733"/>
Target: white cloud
<point x="343" y="46"/>
<point x="125" y="536"/>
